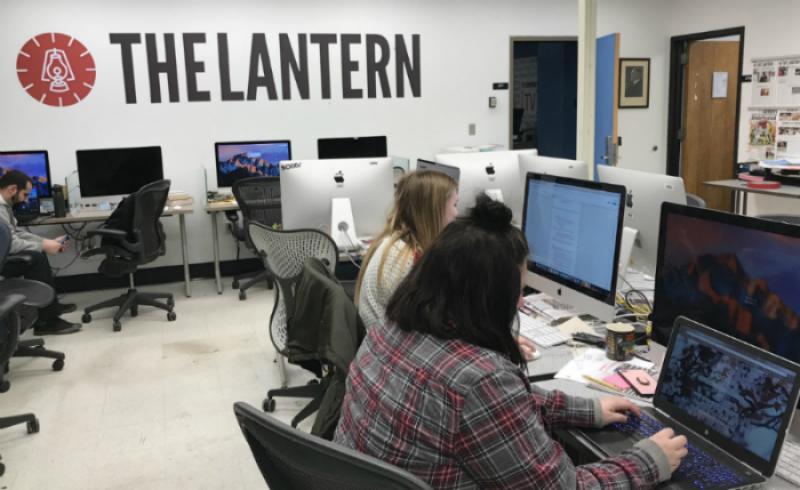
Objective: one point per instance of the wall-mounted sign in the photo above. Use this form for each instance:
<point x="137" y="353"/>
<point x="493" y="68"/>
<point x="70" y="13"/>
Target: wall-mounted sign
<point x="56" y="69"/>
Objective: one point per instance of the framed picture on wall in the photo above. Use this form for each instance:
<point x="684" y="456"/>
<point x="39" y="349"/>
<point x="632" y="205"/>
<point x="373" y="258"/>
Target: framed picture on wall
<point x="634" y="83"/>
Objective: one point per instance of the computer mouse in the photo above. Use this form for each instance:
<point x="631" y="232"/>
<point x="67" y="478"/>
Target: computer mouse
<point x="536" y="355"/>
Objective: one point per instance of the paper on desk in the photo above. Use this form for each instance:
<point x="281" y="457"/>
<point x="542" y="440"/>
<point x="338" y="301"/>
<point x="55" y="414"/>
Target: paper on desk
<point x="546" y="306"/>
<point x="575" y="325"/>
<point x="593" y="362"/>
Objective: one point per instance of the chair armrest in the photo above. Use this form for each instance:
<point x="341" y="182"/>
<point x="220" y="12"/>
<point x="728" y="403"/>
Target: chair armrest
<point x="109" y="232"/>
<point x="109" y="250"/>
<point x="27" y="259"/>
<point x="120" y="236"/>
<point x="9" y="303"/>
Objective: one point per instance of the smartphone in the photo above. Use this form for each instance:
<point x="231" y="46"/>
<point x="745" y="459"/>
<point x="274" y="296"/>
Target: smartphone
<point x="640" y="380"/>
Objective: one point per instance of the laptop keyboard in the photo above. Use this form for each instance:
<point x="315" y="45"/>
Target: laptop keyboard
<point x="699" y="467"/>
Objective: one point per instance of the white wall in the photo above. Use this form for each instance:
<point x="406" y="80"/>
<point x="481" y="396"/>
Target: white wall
<point x="465" y="47"/>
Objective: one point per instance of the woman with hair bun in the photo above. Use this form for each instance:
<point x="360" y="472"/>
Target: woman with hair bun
<point x="440" y="390"/>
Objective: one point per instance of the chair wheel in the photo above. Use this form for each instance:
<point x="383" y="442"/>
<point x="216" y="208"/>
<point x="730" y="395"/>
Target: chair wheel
<point x="171" y="316"/>
<point x="58" y="364"/>
<point x="2" y="469"/>
<point x="134" y="311"/>
<point x="117" y="326"/>
<point x="269" y="405"/>
<point x="242" y="296"/>
<point x="235" y="284"/>
<point x="86" y="318"/>
<point x="4" y="386"/>
<point x="33" y="426"/>
<point x="314" y="381"/>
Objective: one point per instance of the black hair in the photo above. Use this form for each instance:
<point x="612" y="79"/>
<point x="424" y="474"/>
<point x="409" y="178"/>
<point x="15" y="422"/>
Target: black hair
<point x="467" y="284"/>
<point x="15" y="177"/>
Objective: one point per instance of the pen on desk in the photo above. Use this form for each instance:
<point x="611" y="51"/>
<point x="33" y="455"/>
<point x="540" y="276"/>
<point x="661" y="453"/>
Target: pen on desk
<point x="602" y="383"/>
<point x="639" y="356"/>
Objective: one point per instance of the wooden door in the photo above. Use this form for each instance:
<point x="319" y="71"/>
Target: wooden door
<point x="707" y="152"/>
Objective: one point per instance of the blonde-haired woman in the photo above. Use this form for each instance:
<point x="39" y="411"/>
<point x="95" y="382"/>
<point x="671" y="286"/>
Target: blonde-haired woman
<point x="424" y="203"/>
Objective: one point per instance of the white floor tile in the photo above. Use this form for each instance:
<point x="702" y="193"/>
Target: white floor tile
<point x="150" y="406"/>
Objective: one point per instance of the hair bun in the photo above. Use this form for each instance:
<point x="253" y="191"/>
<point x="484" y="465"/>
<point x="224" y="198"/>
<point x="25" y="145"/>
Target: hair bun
<point x="490" y="214"/>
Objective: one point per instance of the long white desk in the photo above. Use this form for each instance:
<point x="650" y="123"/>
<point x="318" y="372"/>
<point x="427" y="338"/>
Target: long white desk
<point x="179" y="211"/>
<point x="741" y="191"/>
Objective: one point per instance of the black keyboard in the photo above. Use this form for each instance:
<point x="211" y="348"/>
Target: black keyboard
<point x="698" y="467"/>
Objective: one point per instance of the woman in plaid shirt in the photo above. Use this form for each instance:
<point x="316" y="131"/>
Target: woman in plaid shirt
<point x="440" y="390"/>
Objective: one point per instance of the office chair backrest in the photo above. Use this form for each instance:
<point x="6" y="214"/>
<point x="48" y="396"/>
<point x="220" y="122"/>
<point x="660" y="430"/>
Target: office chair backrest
<point x="148" y="207"/>
<point x="5" y="244"/>
<point x="259" y="198"/>
<point x="695" y="201"/>
<point x="290" y="459"/>
<point x="284" y="253"/>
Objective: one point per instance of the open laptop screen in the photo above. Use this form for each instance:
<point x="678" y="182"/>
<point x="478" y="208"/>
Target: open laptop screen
<point x="737" y="396"/>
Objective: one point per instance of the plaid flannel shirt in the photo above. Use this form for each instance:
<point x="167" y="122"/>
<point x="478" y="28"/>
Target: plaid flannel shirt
<point x="463" y="417"/>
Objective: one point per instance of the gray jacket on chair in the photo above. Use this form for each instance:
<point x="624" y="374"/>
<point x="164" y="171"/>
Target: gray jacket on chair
<point x="21" y="241"/>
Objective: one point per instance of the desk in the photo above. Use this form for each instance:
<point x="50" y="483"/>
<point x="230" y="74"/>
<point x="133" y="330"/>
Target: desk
<point x="741" y="190"/>
<point x="179" y="211"/>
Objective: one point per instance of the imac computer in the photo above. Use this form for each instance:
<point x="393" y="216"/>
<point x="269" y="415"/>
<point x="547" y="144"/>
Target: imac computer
<point x="645" y="193"/>
<point x="34" y="164"/>
<point x="452" y="172"/>
<point x="239" y="160"/>
<point x="737" y="274"/>
<point x="346" y="198"/>
<point x="357" y="147"/>
<point x="573" y="228"/>
<point x="495" y="173"/>
<point x="561" y="167"/>
<point x="107" y="175"/>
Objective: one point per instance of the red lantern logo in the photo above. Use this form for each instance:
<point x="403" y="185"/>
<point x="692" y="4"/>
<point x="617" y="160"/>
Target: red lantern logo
<point x="56" y="69"/>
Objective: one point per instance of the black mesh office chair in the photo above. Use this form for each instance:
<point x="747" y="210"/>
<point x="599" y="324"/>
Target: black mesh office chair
<point x="290" y="459"/>
<point x="36" y="295"/>
<point x="126" y="247"/>
<point x="259" y="199"/>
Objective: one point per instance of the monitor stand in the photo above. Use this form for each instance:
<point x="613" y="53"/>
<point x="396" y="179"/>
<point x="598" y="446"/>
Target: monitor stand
<point x="343" y="227"/>
<point x="625" y="250"/>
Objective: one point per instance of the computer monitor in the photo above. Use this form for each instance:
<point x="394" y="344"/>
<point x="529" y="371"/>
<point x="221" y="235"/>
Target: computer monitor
<point x="309" y="187"/>
<point x="452" y="172"/>
<point x="737" y="274"/>
<point x="104" y="173"/>
<point x="355" y="147"/>
<point x="573" y="228"/>
<point x="576" y="169"/>
<point x="495" y="173"/>
<point x="645" y="193"/>
<point x="34" y="164"/>
<point x="242" y="159"/>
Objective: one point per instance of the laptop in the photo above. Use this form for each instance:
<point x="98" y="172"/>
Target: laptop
<point x="733" y="401"/>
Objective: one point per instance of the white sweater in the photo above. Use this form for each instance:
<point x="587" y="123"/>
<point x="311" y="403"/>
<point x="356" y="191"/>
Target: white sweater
<point x="374" y="295"/>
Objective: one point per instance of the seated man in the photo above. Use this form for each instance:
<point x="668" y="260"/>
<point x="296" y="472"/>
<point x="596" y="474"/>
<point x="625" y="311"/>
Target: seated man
<point x="14" y="189"/>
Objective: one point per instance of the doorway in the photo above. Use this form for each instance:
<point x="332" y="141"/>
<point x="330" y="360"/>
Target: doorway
<point x="544" y="88"/>
<point x="704" y="98"/>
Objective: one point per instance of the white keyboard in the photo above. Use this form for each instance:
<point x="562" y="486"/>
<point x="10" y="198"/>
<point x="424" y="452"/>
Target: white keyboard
<point x="540" y="332"/>
<point x="788" y="467"/>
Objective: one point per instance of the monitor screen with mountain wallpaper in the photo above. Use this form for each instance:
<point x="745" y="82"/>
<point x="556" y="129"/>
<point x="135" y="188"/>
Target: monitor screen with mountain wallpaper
<point x="737" y="274"/>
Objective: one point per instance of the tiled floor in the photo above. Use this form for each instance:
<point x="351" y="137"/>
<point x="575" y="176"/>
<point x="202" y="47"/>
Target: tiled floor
<point x="149" y="407"/>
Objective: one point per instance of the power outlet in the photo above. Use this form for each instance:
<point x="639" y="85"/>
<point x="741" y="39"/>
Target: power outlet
<point x="471" y="129"/>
